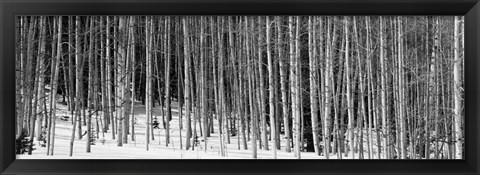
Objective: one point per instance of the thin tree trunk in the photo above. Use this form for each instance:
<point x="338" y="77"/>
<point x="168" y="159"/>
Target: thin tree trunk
<point x="283" y="82"/>
<point x="121" y="91"/>
<point x="361" y="87"/>
<point x="383" y="90"/>
<point x="403" y="147"/>
<point x="41" y="80"/>
<point x="187" y="80"/>
<point x="262" y="92"/>
<point x="295" y="109"/>
<point x="298" y="95"/>
<point x="328" y="89"/>
<point x="133" y="68"/>
<point x="457" y="95"/>
<point x="56" y="70"/>
<point x="167" y="81"/>
<point x="203" y="83"/>
<point x="90" y="86"/>
<point x="78" y="74"/>
<point x="148" y="80"/>
<point x="348" y="95"/>
<point x="271" y="91"/>
<point x="313" y="86"/>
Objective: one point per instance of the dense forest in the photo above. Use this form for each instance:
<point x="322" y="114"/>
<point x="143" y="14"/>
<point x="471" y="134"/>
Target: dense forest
<point x="354" y="87"/>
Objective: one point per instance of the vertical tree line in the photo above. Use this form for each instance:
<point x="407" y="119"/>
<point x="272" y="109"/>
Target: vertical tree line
<point x="375" y="87"/>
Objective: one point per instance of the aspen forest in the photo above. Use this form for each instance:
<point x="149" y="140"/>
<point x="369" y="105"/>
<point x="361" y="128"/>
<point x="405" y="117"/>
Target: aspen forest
<point x="240" y="87"/>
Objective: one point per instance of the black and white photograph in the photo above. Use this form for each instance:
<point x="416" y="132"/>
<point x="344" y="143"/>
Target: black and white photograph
<point x="239" y="87"/>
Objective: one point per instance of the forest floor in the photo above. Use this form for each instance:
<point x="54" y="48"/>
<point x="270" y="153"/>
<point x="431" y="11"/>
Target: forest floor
<point x="106" y="148"/>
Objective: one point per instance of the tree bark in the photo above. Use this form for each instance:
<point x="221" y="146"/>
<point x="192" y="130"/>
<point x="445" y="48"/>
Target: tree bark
<point x="457" y="95"/>
<point x="271" y="91"/>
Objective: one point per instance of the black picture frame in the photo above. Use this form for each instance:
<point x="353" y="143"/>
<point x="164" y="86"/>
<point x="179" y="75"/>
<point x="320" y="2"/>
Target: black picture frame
<point x="10" y="8"/>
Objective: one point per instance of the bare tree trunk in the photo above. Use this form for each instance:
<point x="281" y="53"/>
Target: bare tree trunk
<point x="348" y="95"/>
<point x="127" y="69"/>
<point x="262" y="92"/>
<point x="241" y="94"/>
<point x="108" y="68"/>
<point x="21" y="77"/>
<point x="38" y="83"/>
<point x="148" y="81"/>
<point x="167" y="81"/>
<point x="435" y="58"/>
<point x="457" y="95"/>
<point x="178" y="28"/>
<point x="250" y="75"/>
<point x="384" y="89"/>
<point x="271" y="91"/>
<point x="133" y="69"/>
<point x="29" y="78"/>
<point x="51" y="99"/>
<point x="295" y="110"/>
<point x="328" y="89"/>
<point x="78" y="83"/>
<point x="361" y="88"/>
<point x="403" y="151"/>
<point x="369" y="90"/>
<point x="121" y="91"/>
<point x="41" y="80"/>
<point x="186" y="46"/>
<point x="90" y="85"/>
<point x="55" y="73"/>
<point x="321" y="76"/>
<point x="203" y="82"/>
<point x="313" y="84"/>
<point x="427" y="99"/>
<point x="221" y="91"/>
<point x="298" y="95"/>
<point x="283" y="82"/>
<point x="96" y="89"/>
<point x="103" y="83"/>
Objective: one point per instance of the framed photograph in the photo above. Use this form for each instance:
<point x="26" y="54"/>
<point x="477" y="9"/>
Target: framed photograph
<point x="273" y="87"/>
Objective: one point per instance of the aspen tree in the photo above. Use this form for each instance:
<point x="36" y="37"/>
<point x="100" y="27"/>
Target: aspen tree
<point x="41" y="79"/>
<point x="121" y="91"/>
<point x="250" y="75"/>
<point x="347" y="94"/>
<point x="108" y="68"/>
<point x="33" y="117"/>
<point x="55" y="73"/>
<point x="292" y="81"/>
<point x="148" y="80"/>
<point x="78" y="75"/>
<point x="400" y="86"/>
<point x="298" y="87"/>
<point x="167" y="81"/>
<point x="369" y="89"/>
<point x="328" y="88"/>
<point x="187" y="98"/>
<point x="127" y="79"/>
<point x="203" y="80"/>
<point x="313" y="84"/>
<point x="90" y="85"/>
<point x="133" y="69"/>
<point x="262" y="87"/>
<point x="361" y="101"/>
<point x="179" y="81"/>
<point x="271" y="90"/>
<point x="28" y="83"/>
<point x="457" y="95"/>
<point x="383" y="89"/>
<point x="104" y="83"/>
<point x="283" y="82"/>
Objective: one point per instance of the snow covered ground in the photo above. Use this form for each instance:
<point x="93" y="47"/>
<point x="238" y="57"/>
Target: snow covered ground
<point x="106" y="148"/>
